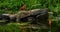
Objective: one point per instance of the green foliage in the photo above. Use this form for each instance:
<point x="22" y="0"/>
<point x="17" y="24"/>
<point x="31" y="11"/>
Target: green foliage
<point x="10" y="28"/>
<point x="12" y="6"/>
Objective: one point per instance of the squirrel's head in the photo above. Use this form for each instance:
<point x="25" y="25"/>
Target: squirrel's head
<point x="23" y="7"/>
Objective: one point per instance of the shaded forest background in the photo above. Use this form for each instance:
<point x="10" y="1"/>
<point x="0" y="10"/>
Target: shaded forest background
<point x="13" y="6"/>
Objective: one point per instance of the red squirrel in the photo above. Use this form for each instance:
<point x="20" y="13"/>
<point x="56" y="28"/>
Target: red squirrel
<point x="23" y="7"/>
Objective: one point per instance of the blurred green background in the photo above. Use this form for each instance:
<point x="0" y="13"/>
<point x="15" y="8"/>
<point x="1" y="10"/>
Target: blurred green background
<point x="13" y="6"/>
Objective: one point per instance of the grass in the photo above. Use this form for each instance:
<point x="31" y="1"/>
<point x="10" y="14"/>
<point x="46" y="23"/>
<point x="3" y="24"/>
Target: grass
<point x="14" y="6"/>
<point x="15" y="27"/>
<point x="10" y="28"/>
